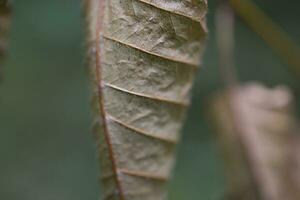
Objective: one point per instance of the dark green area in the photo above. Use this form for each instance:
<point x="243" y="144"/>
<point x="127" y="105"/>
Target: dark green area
<point x="47" y="149"/>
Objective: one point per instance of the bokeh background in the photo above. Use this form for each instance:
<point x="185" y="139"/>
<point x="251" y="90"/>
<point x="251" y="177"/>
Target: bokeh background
<point x="47" y="150"/>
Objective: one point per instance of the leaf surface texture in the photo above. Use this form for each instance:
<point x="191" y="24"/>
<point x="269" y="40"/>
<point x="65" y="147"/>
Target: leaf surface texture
<point x="143" y="57"/>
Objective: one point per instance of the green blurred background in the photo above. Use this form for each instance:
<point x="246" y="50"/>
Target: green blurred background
<point x="47" y="151"/>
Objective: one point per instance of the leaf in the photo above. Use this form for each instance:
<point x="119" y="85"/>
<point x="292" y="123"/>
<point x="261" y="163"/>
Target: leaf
<point x="5" y="12"/>
<point x="143" y="58"/>
<point x="256" y="128"/>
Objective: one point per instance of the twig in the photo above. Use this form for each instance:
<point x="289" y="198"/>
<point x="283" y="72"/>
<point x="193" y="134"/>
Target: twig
<point x="225" y="36"/>
<point x="269" y="31"/>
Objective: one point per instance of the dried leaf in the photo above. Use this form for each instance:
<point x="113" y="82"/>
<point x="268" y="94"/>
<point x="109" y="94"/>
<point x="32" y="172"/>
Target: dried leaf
<point x="255" y="139"/>
<point x="143" y="58"/>
<point x="5" y="12"/>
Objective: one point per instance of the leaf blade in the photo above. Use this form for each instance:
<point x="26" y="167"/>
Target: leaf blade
<point x="144" y="58"/>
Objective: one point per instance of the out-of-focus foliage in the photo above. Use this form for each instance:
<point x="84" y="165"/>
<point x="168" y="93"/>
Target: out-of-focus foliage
<point x="256" y="132"/>
<point x="5" y="17"/>
<point x="47" y="149"/>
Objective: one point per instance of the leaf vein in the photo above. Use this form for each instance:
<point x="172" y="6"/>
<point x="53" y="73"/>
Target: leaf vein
<point x="140" y="131"/>
<point x="98" y="72"/>
<point x="163" y="99"/>
<point x="144" y="175"/>
<point x="181" y="14"/>
<point x="192" y="64"/>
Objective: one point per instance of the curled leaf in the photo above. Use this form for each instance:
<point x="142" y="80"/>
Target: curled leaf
<point x="143" y="58"/>
<point x="255" y="130"/>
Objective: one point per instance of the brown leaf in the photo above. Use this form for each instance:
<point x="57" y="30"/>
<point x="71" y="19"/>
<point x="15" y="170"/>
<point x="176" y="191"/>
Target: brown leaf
<point x="255" y="129"/>
<point x="143" y="58"/>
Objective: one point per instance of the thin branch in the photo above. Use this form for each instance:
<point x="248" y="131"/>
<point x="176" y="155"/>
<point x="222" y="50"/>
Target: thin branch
<point x="269" y="31"/>
<point x="225" y="37"/>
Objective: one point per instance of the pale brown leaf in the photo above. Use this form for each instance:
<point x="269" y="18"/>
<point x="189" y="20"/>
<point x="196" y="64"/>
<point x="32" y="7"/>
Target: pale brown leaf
<point x="255" y="129"/>
<point x="143" y="58"/>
